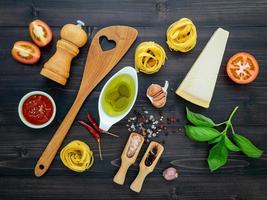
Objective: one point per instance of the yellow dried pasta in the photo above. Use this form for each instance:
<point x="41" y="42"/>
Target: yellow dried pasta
<point x="182" y="35"/>
<point x="149" y="57"/>
<point x="77" y="156"/>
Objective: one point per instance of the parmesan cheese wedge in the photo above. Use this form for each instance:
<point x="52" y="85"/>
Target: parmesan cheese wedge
<point x="199" y="83"/>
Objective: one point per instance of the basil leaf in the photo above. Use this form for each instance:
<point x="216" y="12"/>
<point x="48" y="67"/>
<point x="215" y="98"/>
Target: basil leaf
<point x="247" y="147"/>
<point x="198" y="119"/>
<point x="217" y="156"/>
<point x="201" y="134"/>
<point x="215" y="140"/>
<point x="230" y="145"/>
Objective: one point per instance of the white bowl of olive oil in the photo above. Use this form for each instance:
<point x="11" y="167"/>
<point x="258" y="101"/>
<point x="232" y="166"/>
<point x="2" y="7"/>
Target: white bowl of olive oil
<point x="117" y="97"/>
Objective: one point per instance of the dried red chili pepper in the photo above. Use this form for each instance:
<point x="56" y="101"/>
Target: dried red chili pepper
<point x="90" y="129"/>
<point x="94" y="133"/>
<point x="92" y="121"/>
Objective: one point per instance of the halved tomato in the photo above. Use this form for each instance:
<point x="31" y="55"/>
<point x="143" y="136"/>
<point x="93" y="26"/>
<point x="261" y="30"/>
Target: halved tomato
<point x="26" y="52"/>
<point x="40" y="32"/>
<point x="242" y="68"/>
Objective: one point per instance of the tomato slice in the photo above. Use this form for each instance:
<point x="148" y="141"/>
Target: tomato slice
<point x="26" y="52"/>
<point x="242" y="68"/>
<point x="40" y="32"/>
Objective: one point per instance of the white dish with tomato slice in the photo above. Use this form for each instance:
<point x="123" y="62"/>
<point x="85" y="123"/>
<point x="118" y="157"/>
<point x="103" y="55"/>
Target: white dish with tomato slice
<point x="37" y="109"/>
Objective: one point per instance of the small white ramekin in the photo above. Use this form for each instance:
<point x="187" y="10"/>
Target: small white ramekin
<point x="21" y="116"/>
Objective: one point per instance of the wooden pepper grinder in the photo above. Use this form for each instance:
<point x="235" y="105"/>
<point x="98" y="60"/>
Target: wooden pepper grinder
<point x="58" y="66"/>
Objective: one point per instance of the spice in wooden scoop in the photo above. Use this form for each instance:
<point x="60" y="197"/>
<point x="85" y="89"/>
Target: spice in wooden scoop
<point x="135" y="141"/>
<point x="152" y="154"/>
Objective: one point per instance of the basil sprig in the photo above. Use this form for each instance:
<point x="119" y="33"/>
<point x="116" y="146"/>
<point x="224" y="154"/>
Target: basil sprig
<point x="230" y="145"/>
<point x="201" y="133"/>
<point x="204" y="130"/>
<point x="198" y="119"/>
<point x="247" y="147"/>
<point x="217" y="156"/>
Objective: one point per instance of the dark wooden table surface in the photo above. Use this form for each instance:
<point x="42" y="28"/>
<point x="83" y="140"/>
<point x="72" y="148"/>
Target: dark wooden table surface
<point x="20" y="147"/>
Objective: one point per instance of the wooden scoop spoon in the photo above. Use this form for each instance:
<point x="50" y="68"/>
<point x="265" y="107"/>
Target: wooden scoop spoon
<point x="129" y="156"/>
<point x="147" y="164"/>
<point x="98" y="64"/>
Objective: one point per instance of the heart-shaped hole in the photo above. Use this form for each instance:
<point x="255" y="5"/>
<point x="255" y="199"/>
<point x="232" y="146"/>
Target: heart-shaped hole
<point x="106" y="44"/>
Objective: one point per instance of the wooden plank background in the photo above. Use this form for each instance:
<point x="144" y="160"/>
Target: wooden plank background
<point x="242" y="178"/>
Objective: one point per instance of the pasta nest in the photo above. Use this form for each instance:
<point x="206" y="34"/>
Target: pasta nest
<point x="182" y="35"/>
<point x="77" y="156"/>
<point x="149" y="57"/>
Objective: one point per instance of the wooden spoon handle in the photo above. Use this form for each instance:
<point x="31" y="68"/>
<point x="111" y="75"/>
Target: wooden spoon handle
<point x="138" y="181"/>
<point x="119" y="178"/>
<point x="51" y="150"/>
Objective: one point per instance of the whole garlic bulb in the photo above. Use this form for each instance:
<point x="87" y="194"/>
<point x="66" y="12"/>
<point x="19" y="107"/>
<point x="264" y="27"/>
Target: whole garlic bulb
<point x="157" y="94"/>
<point x="170" y="174"/>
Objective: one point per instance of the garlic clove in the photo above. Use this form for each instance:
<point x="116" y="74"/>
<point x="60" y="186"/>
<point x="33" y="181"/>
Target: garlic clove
<point x="153" y="90"/>
<point x="170" y="174"/>
<point x="160" y="103"/>
<point x="157" y="94"/>
<point x="159" y="97"/>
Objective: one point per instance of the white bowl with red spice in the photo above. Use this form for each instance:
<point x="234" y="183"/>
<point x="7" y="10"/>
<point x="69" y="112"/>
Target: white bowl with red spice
<point x="37" y="109"/>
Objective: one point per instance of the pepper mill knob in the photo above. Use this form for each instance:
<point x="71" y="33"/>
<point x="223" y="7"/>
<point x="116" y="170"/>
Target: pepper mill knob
<point x="74" y="33"/>
<point x="58" y="66"/>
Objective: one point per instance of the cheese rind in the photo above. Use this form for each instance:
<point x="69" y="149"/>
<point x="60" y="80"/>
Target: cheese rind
<point x="199" y="83"/>
<point x="192" y="99"/>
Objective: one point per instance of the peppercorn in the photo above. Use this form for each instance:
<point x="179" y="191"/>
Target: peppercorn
<point x="151" y="156"/>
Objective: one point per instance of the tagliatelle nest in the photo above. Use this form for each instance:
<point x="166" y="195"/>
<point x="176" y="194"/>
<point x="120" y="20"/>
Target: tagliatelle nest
<point x="77" y="156"/>
<point x="182" y="35"/>
<point x="149" y="57"/>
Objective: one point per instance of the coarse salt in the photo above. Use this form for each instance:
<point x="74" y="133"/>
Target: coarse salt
<point x="134" y="143"/>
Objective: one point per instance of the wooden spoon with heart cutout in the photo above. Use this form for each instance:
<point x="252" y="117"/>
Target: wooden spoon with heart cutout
<point x="98" y="64"/>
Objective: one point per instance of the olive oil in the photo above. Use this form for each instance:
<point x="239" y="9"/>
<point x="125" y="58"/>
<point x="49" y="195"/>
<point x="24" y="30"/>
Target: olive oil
<point x="118" y="95"/>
